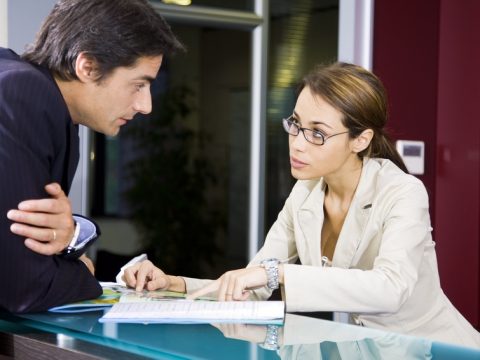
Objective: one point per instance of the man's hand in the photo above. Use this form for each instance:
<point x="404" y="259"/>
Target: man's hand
<point x="47" y="224"/>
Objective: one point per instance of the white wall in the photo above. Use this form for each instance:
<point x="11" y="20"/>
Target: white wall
<point x="3" y="23"/>
<point x="355" y="40"/>
<point x="24" y="20"/>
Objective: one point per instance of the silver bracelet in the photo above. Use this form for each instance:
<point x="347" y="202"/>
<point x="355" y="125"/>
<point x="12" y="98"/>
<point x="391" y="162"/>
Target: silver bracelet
<point x="271" y="338"/>
<point x="271" y="267"/>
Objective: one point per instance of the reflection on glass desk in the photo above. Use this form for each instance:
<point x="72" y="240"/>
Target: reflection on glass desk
<point x="299" y="338"/>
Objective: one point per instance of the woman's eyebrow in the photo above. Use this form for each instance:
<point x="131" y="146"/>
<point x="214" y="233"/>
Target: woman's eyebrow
<point x="313" y="122"/>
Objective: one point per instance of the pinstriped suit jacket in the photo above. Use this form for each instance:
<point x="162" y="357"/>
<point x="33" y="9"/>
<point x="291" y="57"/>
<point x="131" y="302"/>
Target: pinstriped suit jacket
<point x="38" y="145"/>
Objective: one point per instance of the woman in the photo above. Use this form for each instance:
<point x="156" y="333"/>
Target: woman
<point x="358" y="223"/>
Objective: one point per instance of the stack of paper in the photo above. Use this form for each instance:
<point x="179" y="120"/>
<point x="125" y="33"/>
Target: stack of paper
<point x="197" y="311"/>
<point x="114" y="293"/>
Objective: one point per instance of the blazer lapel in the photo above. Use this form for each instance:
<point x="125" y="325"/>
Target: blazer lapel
<point x="357" y="217"/>
<point x="310" y="220"/>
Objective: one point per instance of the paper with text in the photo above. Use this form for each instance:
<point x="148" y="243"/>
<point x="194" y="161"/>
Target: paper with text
<point x="188" y="311"/>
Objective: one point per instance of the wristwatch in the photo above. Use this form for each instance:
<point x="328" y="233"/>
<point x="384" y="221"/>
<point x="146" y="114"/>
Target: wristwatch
<point x="271" y="267"/>
<point x="271" y="338"/>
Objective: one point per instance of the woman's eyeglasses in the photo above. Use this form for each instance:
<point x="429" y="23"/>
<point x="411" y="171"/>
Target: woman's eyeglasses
<point x="312" y="136"/>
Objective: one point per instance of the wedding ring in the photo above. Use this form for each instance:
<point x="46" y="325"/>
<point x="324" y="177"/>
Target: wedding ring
<point x="54" y="235"/>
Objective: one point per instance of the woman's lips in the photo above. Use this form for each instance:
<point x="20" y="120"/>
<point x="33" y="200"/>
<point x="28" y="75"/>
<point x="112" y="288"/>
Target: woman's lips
<point x="297" y="164"/>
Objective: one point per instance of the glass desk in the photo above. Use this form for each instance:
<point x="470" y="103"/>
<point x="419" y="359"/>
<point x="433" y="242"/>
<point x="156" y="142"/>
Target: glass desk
<point x="81" y="336"/>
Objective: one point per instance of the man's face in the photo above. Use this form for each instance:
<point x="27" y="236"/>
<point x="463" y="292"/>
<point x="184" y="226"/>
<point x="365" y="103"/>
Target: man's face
<point x="113" y="101"/>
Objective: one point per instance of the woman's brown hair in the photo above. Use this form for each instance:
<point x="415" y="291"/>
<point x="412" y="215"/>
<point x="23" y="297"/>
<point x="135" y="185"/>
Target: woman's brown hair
<point x="360" y="96"/>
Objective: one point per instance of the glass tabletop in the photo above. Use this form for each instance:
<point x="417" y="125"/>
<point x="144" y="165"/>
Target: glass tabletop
<point x="299" y="337"/>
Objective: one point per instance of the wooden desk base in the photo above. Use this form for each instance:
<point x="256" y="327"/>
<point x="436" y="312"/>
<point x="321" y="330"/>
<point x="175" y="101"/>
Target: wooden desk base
<point x="44" y="346"/>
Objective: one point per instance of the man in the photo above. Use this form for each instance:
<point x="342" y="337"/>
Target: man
<point x="92" y="64"/>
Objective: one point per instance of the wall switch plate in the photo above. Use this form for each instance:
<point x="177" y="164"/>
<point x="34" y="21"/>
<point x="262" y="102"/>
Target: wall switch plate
<point x="413" y="154"/>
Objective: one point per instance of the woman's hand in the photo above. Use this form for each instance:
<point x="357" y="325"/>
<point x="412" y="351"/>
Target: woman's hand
<point x="145" y="275"/>
<point x="235" y="285"/>
<point x="47" y="224"/>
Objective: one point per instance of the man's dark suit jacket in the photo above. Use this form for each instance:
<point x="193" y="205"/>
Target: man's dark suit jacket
<point x="38" y="145"/>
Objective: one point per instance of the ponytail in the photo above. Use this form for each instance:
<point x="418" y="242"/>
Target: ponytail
<point x="382" y="147"/>
<point x="360" y="96"/>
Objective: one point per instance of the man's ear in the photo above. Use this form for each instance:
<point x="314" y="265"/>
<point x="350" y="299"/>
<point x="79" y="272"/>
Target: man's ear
<point x="362" y="141"/>
<point x="86" y="68"/>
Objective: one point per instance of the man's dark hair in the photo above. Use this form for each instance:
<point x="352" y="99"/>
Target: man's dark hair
<point x="114" y="33"/>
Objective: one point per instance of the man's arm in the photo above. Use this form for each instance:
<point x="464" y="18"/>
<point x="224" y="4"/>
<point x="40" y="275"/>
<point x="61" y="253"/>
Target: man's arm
<point x="34" y="151"/>
<point x="46" y="224"/>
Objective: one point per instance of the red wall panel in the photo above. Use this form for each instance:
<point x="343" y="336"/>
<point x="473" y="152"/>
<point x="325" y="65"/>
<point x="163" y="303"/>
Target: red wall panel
<point x="405" y="58"/>
<point x="458" y="156"/>
<point x="426" y="54"/>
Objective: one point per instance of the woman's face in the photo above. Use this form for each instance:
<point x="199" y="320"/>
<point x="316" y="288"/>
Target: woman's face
<point x="310" y="161"/>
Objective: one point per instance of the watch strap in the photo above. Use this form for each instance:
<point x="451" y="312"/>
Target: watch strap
<point x="271" y="268"/>
<point x="271" y="338"/>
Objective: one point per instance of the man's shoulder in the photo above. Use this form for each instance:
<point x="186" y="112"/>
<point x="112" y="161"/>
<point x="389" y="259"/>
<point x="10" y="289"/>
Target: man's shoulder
<point x="8" y="54"/>
<point x="11" y="61"/>
<point x="13" y="67"/>
<point x="21" y="80"/>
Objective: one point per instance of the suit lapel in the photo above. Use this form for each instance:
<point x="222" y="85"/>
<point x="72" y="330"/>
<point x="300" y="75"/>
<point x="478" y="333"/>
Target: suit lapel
<point x="310" y="219"/>
<point x="357" y="217"/>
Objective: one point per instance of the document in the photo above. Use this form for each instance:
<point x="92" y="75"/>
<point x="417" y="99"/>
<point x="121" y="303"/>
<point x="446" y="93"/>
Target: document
<point x="111" y="294"/>
<point x="114" y="293"/>
<point x="196" y="311"/>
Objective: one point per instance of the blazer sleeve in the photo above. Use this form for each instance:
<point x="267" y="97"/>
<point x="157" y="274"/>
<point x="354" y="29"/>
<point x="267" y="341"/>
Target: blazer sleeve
<point x="279" y="243"/>
<point x="32" y="133"/>
<point x="402" y="222"/>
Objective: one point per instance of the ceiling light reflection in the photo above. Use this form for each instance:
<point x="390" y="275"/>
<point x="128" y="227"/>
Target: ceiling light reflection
<point x="178" y="2"/>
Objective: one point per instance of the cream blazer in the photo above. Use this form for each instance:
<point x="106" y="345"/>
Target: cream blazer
<point x="303" y="338"/>
<point x="384" y="270"/>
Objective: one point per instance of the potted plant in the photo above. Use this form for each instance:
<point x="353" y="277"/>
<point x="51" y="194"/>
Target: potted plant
<point x="169" y="178"/>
